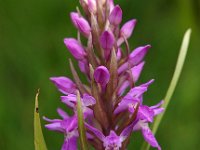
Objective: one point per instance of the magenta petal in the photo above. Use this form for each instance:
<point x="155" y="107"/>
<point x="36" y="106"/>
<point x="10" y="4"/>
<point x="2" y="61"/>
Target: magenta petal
<point x="56" y="126"/>
<point x="62" y="113"/>
<point x="136" y="71"/>
<point x="157" y="105"/>
<point x="111" y="4"/>
<point x="120" y="108"/>
<point x="81" y="24"/>
<point x="149" y="137"/>
<point x="84" y="67"/>
<point x="127" y="131"/>
<point x="126" y="31"/>
<point x="123" y="68"/>
<point x="147" y="83"/>
<point x="96" y="132"/>
<point x="112" y="141"/>
<point x="70" y="144"/>
<point x="119" y="54"/>
<point x="126" y="103"/>
<point x="64" y="84"/>
<point x="75" y="48"/>
<point x="92" y="6"/>
<point x="51" y="120"/>
<point x="74" y="16"/>
<point x="88" y="100"/>
<point x="69" y="100"/>
<point x="107" y="42"/>
<point x="101" y="75"/>
<point x="136" y="92"/>
<point x="145" y="113"/>
<point x="156" y="108"/>
<point x="128" y="28"/>
<point x="138" y="54"/>
<point x="115" y="17"/>
<point x="123" y="87"/>
<point x="135" y="58"/>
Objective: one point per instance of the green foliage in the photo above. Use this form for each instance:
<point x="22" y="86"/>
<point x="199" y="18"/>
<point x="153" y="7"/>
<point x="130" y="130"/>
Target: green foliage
<point x="38" y="135"/>
<point x="173" y="84"/>
<point x="81" y="126"/>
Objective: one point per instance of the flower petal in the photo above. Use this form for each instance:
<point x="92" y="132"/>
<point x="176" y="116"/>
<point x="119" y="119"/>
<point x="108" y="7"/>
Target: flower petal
<point x="136" y="71"/>
<point x="107" y="42"/>
<point x="88" y="100"/>
<point x="64" y="84"/>
<point x="81" y="24"/>
<point x="126" y="31"/>
<point x="70" y="100"/>
<point x="96" y="132"/>
<point x="56" y="126"/>
<point x="101" y="75"/>
<point x="70" y="144"/>
<point x="149" y="137"/>
<point x="138" y="54"/>
<point x="145" y="113"/>
<point x="62" y="113"/>
<point x="115" y="17"/>
<point x="75" y="48"/>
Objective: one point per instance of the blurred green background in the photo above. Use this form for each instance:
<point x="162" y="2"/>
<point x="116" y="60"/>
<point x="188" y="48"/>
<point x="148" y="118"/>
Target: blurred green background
<point x="32" y="50"/>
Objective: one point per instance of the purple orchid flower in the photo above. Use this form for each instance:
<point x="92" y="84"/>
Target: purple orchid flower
<point x="112" y="141"/>
<point x="134" y="58"/>
<point x="133" y="97"/>
<point x="135" y="74"/>
<point x="87" y="100"/>
<point x="146" y="115"/>
<point x="67" y="125"/>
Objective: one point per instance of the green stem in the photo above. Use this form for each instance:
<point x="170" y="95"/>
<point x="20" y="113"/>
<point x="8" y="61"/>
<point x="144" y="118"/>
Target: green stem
<point x="174" y="81"/>
<point x="81" y="126"/>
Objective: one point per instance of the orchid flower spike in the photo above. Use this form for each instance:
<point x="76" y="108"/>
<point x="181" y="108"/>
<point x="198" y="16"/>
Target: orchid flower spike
<point x="111" y="105"/>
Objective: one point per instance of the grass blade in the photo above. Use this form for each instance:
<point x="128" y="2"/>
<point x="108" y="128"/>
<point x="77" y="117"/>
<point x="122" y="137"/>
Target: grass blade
<point x="38" y="135"/>
<point x="81" y="126"/>
<point x="174" y="81"/>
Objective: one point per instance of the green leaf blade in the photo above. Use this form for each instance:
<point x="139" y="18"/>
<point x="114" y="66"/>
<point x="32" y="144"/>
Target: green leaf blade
<point x="39" y="141"/>
<point x="81" y="125"/>
<point x="173" y="83"/>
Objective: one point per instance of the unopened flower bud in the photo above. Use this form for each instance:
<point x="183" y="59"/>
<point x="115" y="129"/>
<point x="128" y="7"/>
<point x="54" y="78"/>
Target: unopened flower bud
<point x="81" y="24"/>
<point x="138" y="54"/>
<point x="115" y="17"/>
<point x="126" y="31"/>
<point x="83" y="65"/>
<point x="102" y="75"/>
<point x="75" y="48"/>
<point x="107" y="42"/>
